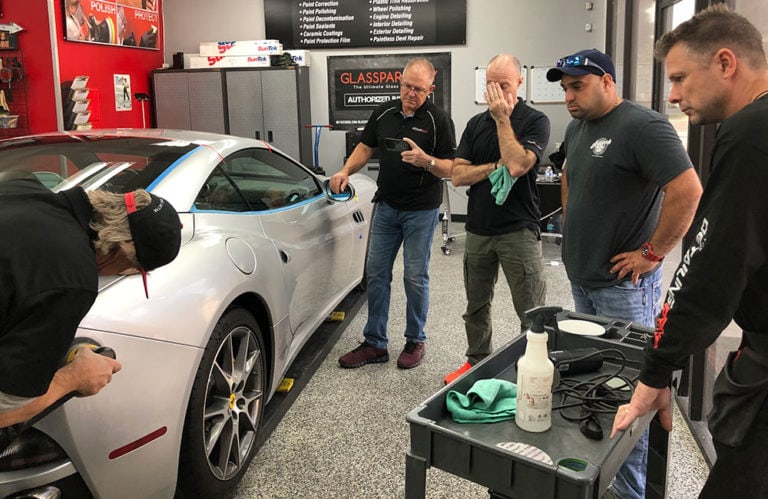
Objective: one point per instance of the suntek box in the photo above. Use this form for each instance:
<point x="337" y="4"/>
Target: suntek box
<point x="300" y="57"/>
<point x="233" y="61"/>
<point x="242" y="47"/>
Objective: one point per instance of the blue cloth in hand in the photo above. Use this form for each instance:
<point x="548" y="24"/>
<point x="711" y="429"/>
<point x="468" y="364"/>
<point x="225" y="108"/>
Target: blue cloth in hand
<point x="488" y="401"/>
<point x="501" y="183"/>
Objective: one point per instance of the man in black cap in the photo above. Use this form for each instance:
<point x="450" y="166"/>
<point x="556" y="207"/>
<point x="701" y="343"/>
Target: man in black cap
<point x="629" y="193"/>
<point x="53" y="246"/>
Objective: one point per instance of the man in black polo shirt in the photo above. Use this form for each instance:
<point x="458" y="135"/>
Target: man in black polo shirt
<point x="407" y="208"/>
<point x="496" y="158"/>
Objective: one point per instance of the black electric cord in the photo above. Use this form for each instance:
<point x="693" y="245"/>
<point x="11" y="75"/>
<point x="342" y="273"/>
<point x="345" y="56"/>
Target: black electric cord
<point x="598" y="394"/>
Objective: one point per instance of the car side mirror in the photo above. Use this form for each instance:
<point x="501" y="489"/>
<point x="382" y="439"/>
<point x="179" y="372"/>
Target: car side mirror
<point x="343" y="196"/>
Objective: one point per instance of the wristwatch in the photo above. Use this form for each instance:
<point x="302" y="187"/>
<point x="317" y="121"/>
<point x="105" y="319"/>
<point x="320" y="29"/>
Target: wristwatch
<point x="431" y="163"/>
<point x="647" y="251"/>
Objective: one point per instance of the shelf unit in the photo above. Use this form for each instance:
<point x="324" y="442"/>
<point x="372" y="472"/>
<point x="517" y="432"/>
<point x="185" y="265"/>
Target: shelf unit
<point x="17" y="97"/>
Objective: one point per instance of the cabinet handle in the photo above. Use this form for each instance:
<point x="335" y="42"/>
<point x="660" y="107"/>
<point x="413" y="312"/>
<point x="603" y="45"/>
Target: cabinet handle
<point x="270" y="138"/>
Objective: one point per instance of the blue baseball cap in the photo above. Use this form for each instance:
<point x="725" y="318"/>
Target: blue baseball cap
<point x="584" y="62"/>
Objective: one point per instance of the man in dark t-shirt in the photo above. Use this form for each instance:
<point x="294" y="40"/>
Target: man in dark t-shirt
<point x="629" y="192"/>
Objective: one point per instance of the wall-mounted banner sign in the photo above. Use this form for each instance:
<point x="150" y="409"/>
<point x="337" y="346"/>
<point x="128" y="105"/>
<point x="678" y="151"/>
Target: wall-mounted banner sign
<point x="128" y="23"/>
<point x="321" y="24"/>
<point x="359" y="83"/>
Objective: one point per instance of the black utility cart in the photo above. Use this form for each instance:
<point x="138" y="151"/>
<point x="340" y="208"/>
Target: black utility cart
<point x="581" y="467"/>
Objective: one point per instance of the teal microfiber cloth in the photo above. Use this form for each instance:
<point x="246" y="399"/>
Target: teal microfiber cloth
<point x="488" y="401"/>
<point x="501" y="184"/>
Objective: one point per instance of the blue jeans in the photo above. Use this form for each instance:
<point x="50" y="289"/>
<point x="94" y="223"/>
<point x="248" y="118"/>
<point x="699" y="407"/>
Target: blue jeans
<point x="639" y="304"/>
<point x="390" y="229"/>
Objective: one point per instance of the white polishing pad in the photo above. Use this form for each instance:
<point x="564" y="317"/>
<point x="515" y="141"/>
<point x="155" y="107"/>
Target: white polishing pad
<point x="584" y="328"/>
<point x="526" y="450"/>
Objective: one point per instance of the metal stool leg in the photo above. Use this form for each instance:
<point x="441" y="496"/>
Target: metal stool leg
<point x="446" y="220"/>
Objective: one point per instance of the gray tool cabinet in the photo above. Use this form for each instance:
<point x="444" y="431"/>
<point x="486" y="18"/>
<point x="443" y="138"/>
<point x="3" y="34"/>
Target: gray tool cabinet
<point x="270" y="104"/>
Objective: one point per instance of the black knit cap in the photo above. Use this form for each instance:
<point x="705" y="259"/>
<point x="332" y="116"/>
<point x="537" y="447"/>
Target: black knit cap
<point x="156" y="231"/>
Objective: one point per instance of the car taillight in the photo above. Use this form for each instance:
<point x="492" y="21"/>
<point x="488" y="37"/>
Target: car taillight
<point x="31" y="448"/>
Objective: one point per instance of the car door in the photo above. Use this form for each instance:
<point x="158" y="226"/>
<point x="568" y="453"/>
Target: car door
<point x="312" y="235"/>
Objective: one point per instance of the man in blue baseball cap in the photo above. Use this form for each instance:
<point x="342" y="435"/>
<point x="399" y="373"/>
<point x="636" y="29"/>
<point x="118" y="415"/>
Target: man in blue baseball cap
<point x="583" y="62"/>
<point x="629" y="194"/>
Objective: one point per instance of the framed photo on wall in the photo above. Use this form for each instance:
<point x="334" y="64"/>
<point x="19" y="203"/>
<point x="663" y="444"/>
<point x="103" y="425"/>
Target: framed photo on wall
<point x="127" y="23"/>
<point x="122" y="92"/>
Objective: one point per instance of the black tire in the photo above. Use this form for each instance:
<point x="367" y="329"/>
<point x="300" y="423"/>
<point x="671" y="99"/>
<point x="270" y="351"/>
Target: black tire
<point x="225" y="409"/>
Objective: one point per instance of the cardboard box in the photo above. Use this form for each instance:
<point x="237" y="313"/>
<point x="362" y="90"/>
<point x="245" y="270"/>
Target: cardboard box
<point x="300" y="57"/>
<point x="234" y="61"/>
<point x="241" y="47"/>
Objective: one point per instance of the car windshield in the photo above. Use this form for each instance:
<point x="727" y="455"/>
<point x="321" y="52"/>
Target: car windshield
<point x="111" y="162"/>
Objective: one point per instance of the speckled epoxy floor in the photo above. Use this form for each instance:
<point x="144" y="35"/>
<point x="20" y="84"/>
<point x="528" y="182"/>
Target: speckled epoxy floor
<point x="346" y="435"/>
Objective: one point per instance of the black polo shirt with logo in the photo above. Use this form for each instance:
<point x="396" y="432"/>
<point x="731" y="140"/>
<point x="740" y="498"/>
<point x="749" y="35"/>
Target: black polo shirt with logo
<point x="480" y="145"/>
<point x="404" y="186"/>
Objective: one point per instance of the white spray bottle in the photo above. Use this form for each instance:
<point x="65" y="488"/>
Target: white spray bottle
<point x="534" y="375"/>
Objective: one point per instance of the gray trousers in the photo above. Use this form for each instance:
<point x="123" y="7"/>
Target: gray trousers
<point x="519" y="255"/>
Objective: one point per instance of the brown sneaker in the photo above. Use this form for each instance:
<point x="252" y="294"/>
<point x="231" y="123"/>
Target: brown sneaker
<point x="411" y="355"/>
<point x="362" y="355"/>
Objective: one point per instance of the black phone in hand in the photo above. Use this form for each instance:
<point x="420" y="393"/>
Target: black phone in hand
<point x="397" y="145"/>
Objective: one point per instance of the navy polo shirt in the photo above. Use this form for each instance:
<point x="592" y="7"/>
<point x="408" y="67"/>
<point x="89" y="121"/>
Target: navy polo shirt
<point x="404" y="186"/>
<point x="480" y="145"/>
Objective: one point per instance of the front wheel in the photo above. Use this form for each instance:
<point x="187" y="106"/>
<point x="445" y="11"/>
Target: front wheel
<point x="225" y="408"/>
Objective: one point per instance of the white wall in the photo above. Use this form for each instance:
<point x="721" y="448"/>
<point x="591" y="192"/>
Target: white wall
<point x="538" y="33"/>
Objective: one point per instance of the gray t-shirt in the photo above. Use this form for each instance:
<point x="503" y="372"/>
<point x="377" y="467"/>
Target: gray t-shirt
<point x="616" y="167"/>
<point x="10" y="402"/>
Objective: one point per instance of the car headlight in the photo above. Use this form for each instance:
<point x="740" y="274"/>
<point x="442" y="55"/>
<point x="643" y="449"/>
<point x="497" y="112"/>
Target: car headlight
<point x="31" y="448"/>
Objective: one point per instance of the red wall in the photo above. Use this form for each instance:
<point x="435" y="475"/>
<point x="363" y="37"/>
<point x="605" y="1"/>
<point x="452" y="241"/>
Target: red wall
<point x="34" y="43"/>
<point x="99" y="62"/>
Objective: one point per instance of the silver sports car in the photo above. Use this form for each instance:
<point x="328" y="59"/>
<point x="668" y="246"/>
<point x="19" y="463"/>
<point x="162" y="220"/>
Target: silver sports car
<point x="267" y="253"/>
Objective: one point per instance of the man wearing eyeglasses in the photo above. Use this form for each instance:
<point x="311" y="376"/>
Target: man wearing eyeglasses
<point x="496" y="157"/>
<point x="629" y="193"/>
<point x="407" y="208"/>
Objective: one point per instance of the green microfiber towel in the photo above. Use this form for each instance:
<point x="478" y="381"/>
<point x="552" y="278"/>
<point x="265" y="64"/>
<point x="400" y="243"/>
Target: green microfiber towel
<point x="501" y="183"/>
<point x="488" y="401"/>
